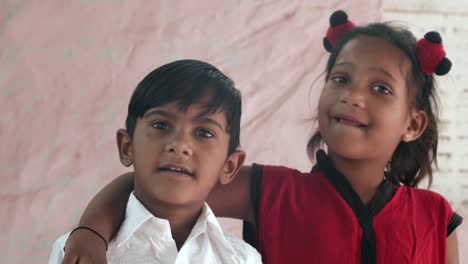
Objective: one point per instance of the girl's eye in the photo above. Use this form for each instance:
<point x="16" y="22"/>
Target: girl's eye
<point x="160" y="125"/>
<point x="340" y="79"/>
<point x="205" y="133"/>
<point x="382" y="89"/>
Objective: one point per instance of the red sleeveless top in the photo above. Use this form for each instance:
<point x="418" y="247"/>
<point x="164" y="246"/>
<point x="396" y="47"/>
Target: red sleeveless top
<point x="318" y="218"/>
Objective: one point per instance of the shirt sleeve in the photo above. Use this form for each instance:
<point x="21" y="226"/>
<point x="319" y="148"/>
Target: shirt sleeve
<point x="452" y="219"/>
<point x="455" y="221"/>
<point x="252" y="256"/>
<point x="255" y="257"/>
<point x="58" y="252"/>
<point x="244" y="252"/>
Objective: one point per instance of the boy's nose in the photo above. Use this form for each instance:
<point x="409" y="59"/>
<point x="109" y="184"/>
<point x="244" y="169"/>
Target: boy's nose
<point x="180" y="144"/>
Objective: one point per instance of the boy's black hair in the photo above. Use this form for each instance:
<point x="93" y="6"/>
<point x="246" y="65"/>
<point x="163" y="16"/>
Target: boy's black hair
<point x="412" y="161"/>
<point x="187" y="82"/>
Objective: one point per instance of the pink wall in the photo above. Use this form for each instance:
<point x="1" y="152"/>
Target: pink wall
<point x="68" y="68"/>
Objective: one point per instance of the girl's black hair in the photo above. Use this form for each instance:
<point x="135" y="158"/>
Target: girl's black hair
<point x="187" y="82"/>
<point x="411" y="162"/>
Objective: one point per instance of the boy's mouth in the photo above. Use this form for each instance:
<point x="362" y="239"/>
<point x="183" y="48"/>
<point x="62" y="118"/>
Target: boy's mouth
<point x="176" y="168"/>
<point x="349" y="120"/>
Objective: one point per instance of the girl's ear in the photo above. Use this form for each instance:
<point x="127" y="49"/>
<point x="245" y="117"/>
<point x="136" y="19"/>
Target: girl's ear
<point x="124" y="143"/>
<point x="416" y="127"/>
<point x="232" y="165"/>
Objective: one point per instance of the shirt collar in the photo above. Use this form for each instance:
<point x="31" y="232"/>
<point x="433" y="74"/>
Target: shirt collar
<point x="207" y="222"/>
<point x="383" y="195"/>
<point x="136" y="215"/>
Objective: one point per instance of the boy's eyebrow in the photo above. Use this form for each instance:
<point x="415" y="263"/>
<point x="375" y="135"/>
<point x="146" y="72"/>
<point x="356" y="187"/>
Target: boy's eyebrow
<point x="204" y="119"/>
<point x="158" y="112"/>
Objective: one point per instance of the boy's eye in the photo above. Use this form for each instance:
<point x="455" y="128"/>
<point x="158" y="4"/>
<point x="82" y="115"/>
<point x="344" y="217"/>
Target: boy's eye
<point x="160" y="125"/>
<point x="205" y="133"/>
<point x="381" y="89"/>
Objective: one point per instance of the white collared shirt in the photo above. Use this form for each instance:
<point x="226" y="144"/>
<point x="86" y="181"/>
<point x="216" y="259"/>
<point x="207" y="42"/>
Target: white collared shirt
<point x="144" y="238"/>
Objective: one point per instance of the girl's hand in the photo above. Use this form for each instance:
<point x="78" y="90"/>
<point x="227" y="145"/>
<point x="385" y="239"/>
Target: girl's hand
<point x="84" y="247"/>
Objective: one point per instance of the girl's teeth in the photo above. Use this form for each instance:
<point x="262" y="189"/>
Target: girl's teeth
<point x="340" y="120"/>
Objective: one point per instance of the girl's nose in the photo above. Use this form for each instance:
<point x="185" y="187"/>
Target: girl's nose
<point x="354" y="96"/>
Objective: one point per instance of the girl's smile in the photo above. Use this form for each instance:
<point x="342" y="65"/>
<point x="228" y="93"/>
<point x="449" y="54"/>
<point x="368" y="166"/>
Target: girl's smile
<point x="349" y="120"/>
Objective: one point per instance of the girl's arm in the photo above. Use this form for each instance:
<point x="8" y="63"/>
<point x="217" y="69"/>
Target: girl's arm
<point x="233" y="200"/>
<point x="452" y="249"/>
<point x="106" y="212"/>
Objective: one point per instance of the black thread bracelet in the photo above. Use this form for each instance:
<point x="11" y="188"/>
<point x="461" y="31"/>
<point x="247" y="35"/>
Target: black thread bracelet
<point x="92" y="230"/>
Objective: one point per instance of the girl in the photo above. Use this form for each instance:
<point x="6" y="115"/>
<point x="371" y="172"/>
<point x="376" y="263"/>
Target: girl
<point x="377" y="117"/>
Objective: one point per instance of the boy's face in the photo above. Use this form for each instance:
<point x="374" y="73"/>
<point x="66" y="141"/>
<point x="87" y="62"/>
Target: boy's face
<point x="179" y="156"/>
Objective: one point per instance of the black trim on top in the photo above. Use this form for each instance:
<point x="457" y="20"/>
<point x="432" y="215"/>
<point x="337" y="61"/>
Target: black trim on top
<point x="364" y="213"/>
<point x="455" y="221"/>
<point x="249" y="231"/>
<point x="256" y="189"/>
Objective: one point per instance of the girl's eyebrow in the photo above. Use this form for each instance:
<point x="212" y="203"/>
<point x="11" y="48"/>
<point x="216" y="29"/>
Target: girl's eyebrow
<point x="344" y="63"/>
<point x="382" y="70"/>
<point x="378" y="69"/>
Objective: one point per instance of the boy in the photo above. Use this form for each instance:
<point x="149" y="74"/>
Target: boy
<point x="182" y="138"/>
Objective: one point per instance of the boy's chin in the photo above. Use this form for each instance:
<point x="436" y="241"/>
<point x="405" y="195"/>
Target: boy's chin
<point x="177" y="199"/>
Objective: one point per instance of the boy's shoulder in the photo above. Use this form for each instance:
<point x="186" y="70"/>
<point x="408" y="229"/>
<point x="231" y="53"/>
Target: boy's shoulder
<point x="227" y="245"/>
<point x="58" y="251"/>
<point x="244" y="251"/>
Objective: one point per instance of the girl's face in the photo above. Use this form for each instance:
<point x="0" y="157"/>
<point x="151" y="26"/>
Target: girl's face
<point x="364" y="108"/>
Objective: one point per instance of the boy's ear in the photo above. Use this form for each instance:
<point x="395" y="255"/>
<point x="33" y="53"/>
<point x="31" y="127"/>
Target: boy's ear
<point x="124" y="143"/>
<point x="232" y="165"/>
<point x="416" y="127"/>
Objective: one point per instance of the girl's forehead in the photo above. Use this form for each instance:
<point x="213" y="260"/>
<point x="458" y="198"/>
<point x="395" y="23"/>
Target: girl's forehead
<point x="374" y="52"/>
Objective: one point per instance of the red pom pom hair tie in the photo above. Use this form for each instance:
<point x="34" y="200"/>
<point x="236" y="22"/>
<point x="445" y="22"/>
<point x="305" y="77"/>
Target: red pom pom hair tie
<point x="339" y="24"/>
<point x="429" y="50"/>
<point x="431" y="54"/>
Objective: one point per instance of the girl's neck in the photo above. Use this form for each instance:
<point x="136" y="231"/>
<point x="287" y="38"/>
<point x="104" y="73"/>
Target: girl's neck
<point x="365" y="176"/>
<point x="182" y="218"/>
